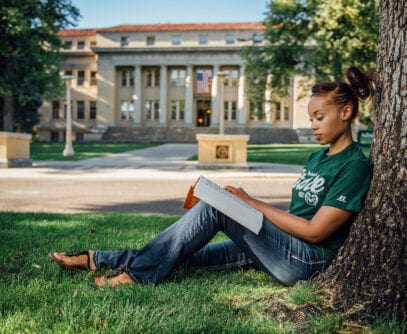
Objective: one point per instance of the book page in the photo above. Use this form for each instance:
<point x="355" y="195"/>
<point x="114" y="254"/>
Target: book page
<point x="229" y="204"/>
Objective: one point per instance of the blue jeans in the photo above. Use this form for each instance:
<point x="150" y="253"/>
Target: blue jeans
<point x="185" y="244"/>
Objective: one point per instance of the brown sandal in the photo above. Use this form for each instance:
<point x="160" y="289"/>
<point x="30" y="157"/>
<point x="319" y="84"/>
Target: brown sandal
<point x="72" y="267"/>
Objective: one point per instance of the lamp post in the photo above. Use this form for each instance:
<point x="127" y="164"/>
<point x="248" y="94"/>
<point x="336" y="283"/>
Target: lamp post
<point x="68" y="151"/>
<point x="222" y="75"/>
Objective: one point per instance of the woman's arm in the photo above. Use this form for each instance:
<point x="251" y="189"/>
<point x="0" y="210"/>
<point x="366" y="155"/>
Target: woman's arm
<point x="326" y="221"/>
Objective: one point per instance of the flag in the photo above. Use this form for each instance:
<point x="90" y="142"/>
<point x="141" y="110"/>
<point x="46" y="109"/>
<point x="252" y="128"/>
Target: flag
<point x="202" y="82"/>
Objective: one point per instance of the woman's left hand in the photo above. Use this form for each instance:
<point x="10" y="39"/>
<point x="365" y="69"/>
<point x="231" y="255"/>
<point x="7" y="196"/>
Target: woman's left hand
<point x="238" y="192"/>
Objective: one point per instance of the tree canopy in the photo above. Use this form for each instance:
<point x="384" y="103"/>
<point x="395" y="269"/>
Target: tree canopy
<point x="314" y="38"/>
<point x="29" y="54"/>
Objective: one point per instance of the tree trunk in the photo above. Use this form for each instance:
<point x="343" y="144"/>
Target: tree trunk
<point x="8" y="113"/>
<point x="369" y="274"/>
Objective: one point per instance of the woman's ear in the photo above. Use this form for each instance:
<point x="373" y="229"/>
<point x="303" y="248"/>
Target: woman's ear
<point x="347" y="112"/>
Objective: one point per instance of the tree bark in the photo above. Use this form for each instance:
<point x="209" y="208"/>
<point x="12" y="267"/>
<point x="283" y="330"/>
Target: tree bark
<point x="369" y="274"/>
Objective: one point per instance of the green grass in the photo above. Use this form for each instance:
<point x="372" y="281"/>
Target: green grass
<point x="53" y="151"/>
<point x="294" y="154"/>
<point x="281" y="153"/>
<point x="38" y="296"/>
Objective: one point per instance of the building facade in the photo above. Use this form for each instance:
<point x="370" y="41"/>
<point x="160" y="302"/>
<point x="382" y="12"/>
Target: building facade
<point x="158" y="76"/>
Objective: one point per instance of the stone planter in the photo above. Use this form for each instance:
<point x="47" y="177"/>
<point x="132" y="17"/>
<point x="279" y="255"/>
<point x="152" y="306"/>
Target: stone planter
<point x="14" y="150"/>
<point x="222" y="151"/>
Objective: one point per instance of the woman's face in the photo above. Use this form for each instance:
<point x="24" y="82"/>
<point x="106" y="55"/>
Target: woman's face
<point x="328" y="121"/>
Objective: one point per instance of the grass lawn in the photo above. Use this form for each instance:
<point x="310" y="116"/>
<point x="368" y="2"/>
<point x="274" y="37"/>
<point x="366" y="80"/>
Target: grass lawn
<point x="294" y="154"/>
<point x="281" y="153"/>
<point x="53" y="151"/>
<point x="38" y="296"/>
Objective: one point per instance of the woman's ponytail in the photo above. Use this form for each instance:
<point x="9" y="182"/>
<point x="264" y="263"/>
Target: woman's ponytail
<point x="360" y="82"/>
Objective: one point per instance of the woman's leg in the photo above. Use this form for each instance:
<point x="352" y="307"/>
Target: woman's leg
<point x="168" y="249"/>
<point x="285" y="257"/>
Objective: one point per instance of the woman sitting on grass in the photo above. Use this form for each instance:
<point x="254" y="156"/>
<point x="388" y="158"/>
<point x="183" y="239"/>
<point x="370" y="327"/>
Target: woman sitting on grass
<point x="291" y="246"/>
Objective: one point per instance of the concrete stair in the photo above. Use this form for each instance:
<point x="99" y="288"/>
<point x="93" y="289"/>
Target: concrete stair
<point x="259" y="135"/>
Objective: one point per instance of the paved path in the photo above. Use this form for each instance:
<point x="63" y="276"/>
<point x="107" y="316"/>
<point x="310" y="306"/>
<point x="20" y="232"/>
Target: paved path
<point x="151" y="180"/>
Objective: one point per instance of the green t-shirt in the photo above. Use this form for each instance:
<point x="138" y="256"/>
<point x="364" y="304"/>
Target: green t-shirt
<point x="340" y="180"/>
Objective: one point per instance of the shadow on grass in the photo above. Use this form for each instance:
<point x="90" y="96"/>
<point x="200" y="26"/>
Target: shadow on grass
<point x="160" y="207"/>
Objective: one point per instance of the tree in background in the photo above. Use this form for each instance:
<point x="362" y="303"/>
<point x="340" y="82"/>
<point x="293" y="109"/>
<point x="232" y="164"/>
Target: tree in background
<point x="369" y="273"/>
<point x="30" y="58"/>
<point x="316" y="39"/>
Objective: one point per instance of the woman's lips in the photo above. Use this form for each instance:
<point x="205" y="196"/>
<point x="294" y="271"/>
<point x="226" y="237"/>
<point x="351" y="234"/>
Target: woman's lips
<point x="317" y="136"/>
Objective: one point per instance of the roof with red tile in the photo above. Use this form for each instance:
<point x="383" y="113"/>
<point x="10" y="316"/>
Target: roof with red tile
<point x="77" y="32"/>
<point x="166" y="27"/>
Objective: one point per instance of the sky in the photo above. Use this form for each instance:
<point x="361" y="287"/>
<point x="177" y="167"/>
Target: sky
<point x="107" y="13"/>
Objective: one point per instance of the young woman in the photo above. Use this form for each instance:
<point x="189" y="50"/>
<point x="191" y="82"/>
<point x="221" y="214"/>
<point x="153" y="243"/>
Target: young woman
<point x="291" y="246"/>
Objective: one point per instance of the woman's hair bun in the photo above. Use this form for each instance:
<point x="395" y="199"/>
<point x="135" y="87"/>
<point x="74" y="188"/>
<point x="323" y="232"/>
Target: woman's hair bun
<point x="360" y="82"/>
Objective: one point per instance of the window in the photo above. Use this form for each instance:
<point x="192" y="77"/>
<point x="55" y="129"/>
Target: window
<point x="232" y="78"/>
<point x="124" y="78"/>
<point x="80" y="110"/>
<point x="79" y="136"/>
<point x="286" y="111"/>
<point x="93" y="81"/>
<point x="230" y="110"/>
<point x="92" y="43"/>
<point x="81" y="78"/>
<point x="256" y="111"/>
<point x="68" y="72"/>
<point x="230" y="39"/>
<point x="68" y="45"/>
<point x="55" y="110"/>
<point x="124" y="40"/>
<point x="278" y="110"/>
<point x="152" y="110"/>
<point x="81" y="45"/>
<point x="127" y="110"/>
<point x="282" y="111"/>
<point x="203" y="39"/>
<point x="92" y="109"/>
<point x="177" y="77"/>
<point x="153" y="77"/>
<point x="177" y="110"/>
<point x="176" y="40"/>
<point x="150" y="40"/>
<point x="54" y="136"/>
<point x="127" y="77"/>
<point x="257" y="38"/>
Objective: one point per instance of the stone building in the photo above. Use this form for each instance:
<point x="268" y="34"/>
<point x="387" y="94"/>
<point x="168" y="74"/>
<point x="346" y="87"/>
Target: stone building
<point x="166" y="82"/>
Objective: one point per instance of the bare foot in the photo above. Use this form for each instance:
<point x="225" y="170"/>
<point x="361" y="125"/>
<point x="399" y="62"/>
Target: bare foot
<point x="79" y="261"/>
<point x="122" y="278"/>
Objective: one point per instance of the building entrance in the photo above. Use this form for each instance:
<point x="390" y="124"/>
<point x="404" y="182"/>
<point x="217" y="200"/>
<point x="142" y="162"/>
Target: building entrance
<point x="203" y="112"/>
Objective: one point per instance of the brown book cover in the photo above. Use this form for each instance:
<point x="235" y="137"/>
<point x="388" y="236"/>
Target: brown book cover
<point x="190" y="199"/>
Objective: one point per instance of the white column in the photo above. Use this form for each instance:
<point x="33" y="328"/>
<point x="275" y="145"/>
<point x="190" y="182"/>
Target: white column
<point x="268" y="104"/>
<point x="241" y="118"/>
<point x="163" y="94"/>
<point x="137" y="94"/>
<point x="189" y="98"/>
<point x="215" y="97"/>
<point x="68" y="151"/>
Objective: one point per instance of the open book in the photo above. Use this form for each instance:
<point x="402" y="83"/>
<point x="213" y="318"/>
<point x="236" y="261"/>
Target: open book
<point x="220" y="199"/>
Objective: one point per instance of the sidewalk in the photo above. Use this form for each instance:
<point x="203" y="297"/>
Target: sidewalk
<point x="167" y="160"/>
<point x="151" y="180"/>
